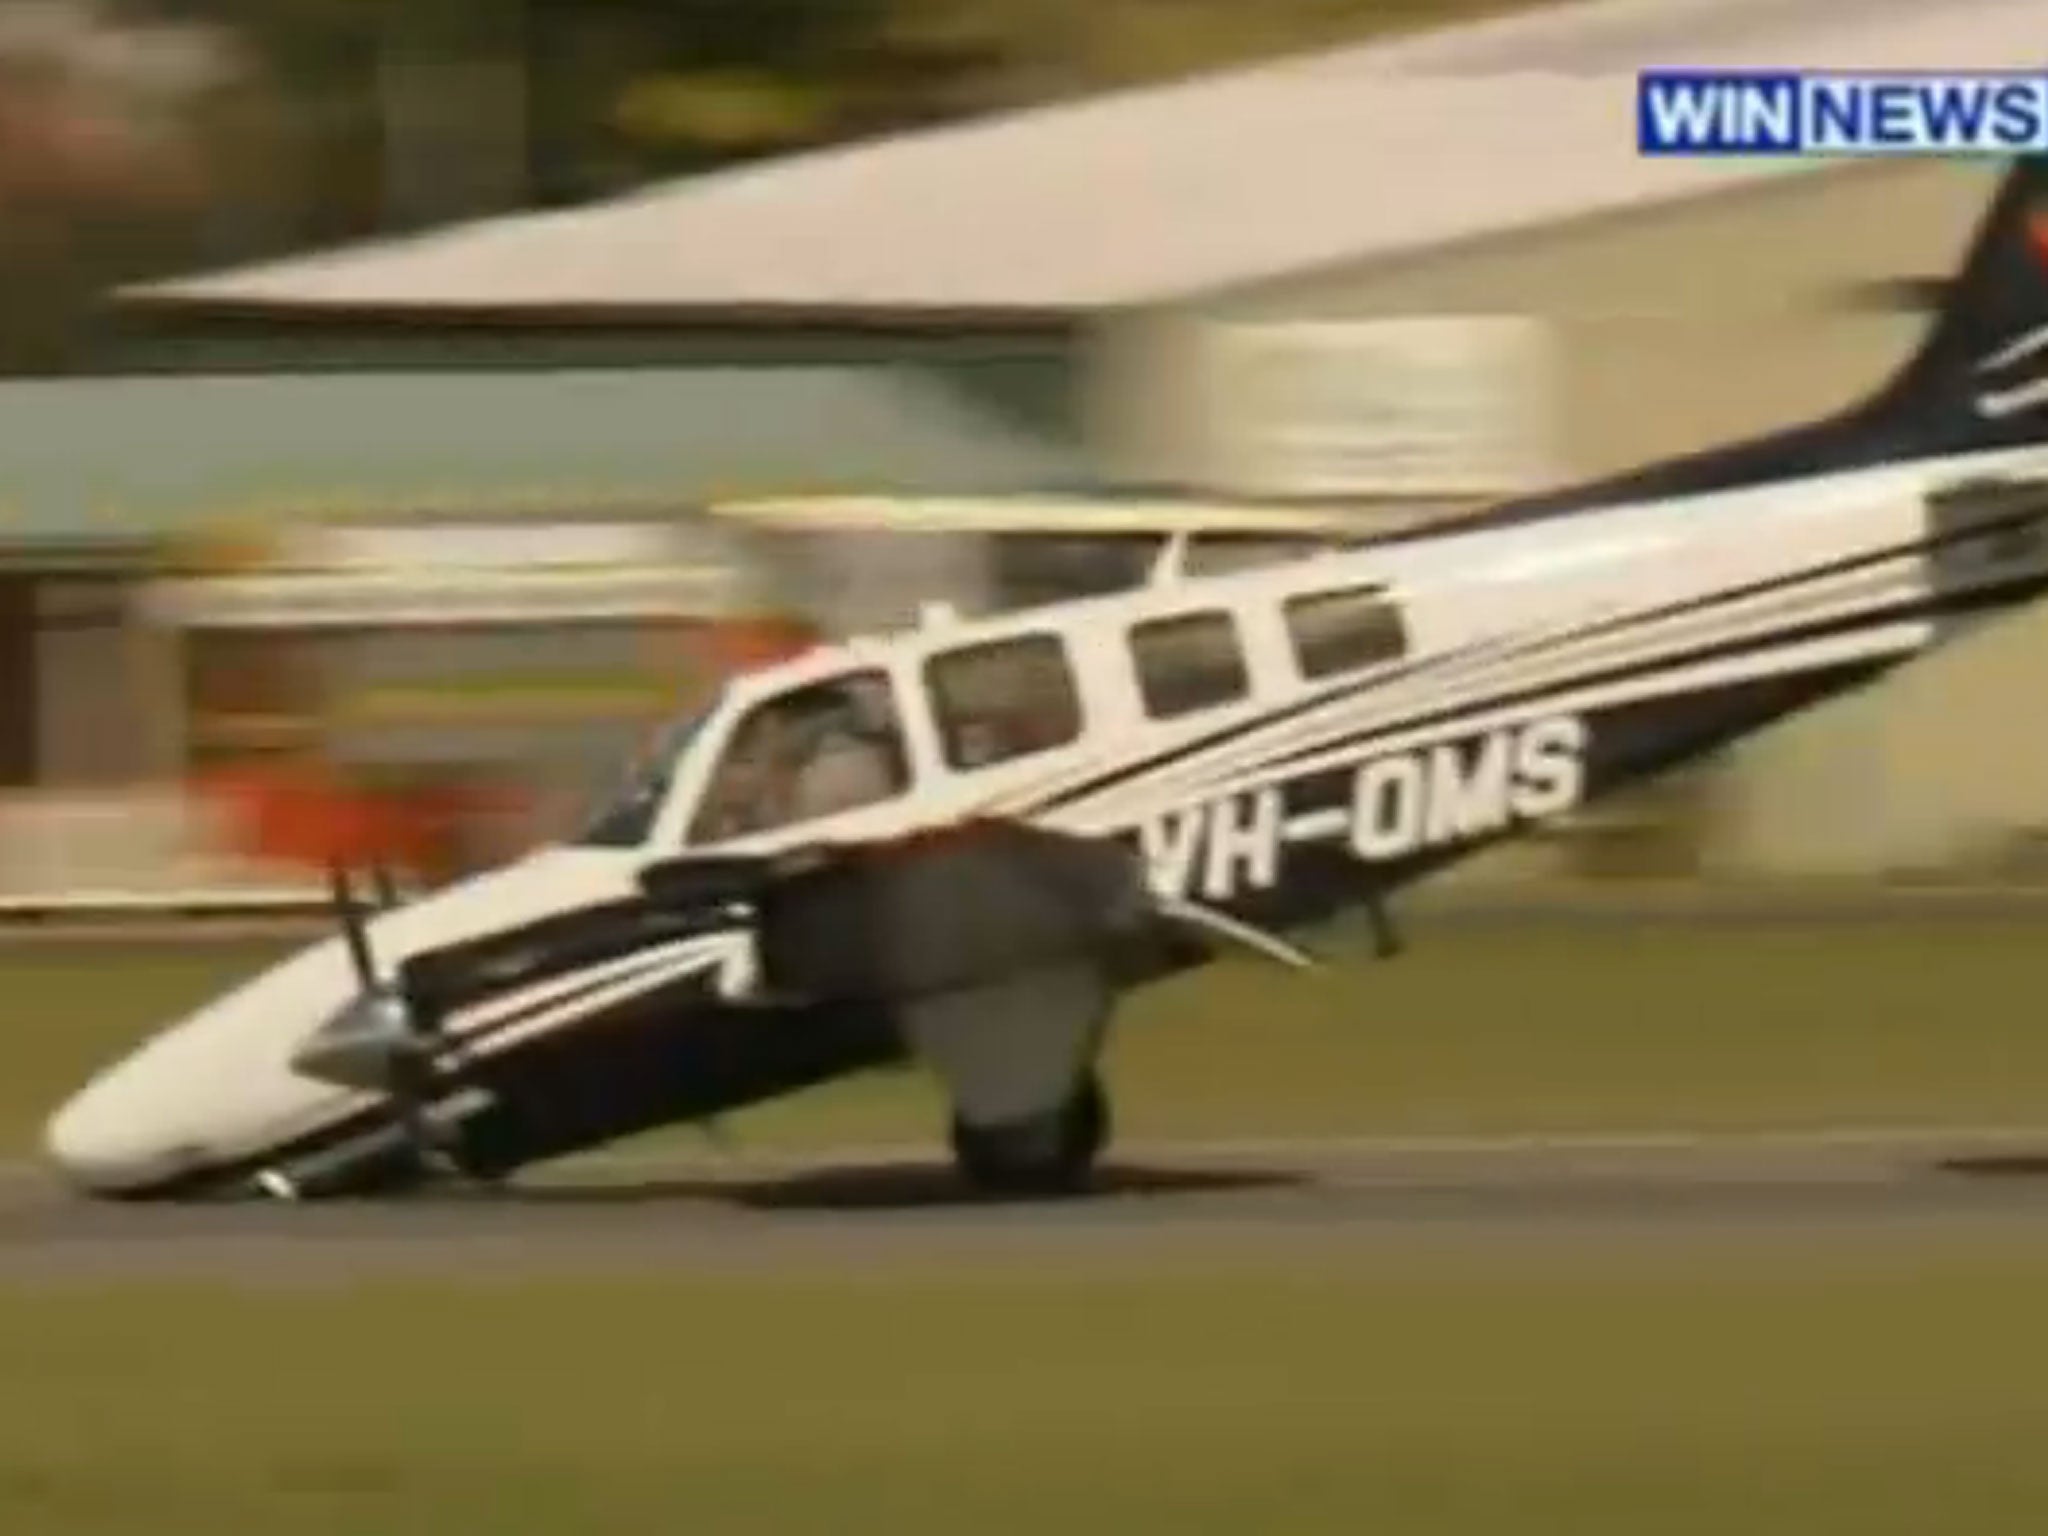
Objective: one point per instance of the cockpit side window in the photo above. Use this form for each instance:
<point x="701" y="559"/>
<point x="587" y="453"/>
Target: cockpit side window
<point x="1003" y="700"/>
<point x="819" y="750"/>
<point x="1344" y="630"/>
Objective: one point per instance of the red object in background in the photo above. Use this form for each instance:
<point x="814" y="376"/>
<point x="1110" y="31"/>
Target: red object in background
<point x="305" y="813"/>
<point x="309" y="816"/>
<point x="312" y="817"/>
<point x="744" y="645"/>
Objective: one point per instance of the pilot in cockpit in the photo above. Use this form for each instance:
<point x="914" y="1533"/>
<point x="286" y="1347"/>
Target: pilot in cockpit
<point x="817" y="752"/>
<point x="845" y="758"/>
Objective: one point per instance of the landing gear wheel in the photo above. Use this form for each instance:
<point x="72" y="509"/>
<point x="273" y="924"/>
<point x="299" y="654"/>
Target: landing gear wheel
<point x="394" y="1162"/>
<point x="1050" y="1155"/>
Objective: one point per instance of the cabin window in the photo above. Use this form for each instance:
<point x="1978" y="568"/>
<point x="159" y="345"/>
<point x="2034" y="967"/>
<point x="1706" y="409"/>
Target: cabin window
<point x="820" y="750"/>
<point x="1008" y="699"/>
<point x="1344" y="631"/>
<point x="1188" y="662"/>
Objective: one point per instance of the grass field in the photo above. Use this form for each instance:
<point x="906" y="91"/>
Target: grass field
<point x="1686" y="1384"/>
<point x="1609" y="1025"/>
<point x="1678" y="1388"/>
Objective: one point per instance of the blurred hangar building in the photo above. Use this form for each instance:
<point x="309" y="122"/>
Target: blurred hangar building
<point x="1402" y="279"/>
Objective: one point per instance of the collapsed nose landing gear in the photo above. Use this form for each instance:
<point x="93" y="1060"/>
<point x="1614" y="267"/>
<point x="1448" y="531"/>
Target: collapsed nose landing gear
<point x="384" y="1042"/>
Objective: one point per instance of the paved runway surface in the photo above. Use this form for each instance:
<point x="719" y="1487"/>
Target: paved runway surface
<point x="695" y="1212"/>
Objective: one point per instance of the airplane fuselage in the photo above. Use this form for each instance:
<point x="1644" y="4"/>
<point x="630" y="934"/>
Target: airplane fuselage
<point x="1479" y="682"/>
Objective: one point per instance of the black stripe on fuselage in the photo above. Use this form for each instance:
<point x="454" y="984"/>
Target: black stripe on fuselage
<point x="1801" y="634"/>
<point x="1631" y="741"/>
<point x="455" y="1048"/>
<point x="1593" y="629"/>
<point x="671" y="1054"/>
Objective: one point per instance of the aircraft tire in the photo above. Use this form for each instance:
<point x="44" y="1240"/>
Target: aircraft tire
<point x="1051" y="1154"/>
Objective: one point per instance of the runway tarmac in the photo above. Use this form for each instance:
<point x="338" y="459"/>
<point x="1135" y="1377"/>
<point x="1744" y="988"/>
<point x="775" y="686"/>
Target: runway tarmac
<point x="825" y="1214"/>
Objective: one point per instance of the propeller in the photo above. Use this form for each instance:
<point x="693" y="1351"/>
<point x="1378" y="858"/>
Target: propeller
<point x="357" y="937"/>
<point x="381" y="1042"/>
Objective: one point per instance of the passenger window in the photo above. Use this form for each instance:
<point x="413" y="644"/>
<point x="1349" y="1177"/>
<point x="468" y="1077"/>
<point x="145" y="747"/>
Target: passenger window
<point x="820" y="750"/>
<point x="1345" y="630"/>
<point x="1189" y="662"/>
<point x="1005" y="700"/>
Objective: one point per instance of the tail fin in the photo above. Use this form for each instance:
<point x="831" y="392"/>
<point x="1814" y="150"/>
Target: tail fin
<point x="1980" y="379"/>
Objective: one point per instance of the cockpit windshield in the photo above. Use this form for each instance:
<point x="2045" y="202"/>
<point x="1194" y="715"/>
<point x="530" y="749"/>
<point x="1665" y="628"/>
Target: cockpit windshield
<point x="626" y="819"/>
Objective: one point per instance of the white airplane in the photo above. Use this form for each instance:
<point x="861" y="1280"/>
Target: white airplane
<point x="962" y="844"/>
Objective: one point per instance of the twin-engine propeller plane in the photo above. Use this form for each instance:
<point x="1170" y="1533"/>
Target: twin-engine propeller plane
<point x="963" y="843"/>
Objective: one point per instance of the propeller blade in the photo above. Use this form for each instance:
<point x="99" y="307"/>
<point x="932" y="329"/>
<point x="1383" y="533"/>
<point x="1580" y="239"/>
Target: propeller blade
<point x="351" y="919"/>
<point x="384" y="886"/>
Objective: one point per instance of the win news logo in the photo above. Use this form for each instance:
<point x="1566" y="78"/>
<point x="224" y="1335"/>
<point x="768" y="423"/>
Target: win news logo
<point x="1782" y="113"/>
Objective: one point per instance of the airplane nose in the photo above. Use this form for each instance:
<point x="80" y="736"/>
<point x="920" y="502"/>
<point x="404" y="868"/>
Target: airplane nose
<point x="203" y="1090"/>
<point x="165" y="1110"/>
<point x="102" y="1138"/>
<point x="207" y="1090"/>
<point x="226" y="1085"/>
